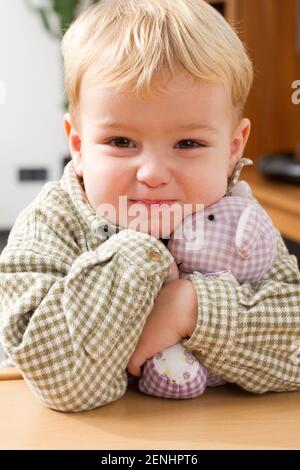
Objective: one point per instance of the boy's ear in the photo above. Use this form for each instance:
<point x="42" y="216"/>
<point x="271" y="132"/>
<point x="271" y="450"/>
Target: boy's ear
<point x="74" y="143"/>
<point x="238" y="143"/>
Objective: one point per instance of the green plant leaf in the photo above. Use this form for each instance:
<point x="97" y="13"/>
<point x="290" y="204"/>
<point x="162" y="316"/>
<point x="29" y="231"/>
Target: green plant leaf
<point x="66" y="10"/>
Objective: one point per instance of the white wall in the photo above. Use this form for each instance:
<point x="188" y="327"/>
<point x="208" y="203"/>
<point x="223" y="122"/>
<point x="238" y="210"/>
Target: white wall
<point x="31" y="125"/>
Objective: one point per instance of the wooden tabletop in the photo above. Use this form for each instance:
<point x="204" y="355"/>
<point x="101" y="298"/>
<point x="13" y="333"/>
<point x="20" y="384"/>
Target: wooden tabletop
<point x="223" y="418"/>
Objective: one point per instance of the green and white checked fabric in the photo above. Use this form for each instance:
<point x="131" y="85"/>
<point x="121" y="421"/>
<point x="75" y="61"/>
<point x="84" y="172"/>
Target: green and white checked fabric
<point x="76" y="291"/>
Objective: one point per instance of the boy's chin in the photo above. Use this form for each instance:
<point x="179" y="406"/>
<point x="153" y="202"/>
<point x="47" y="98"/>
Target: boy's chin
<point x="157" y="231"/>
<point x="158" y="227"/>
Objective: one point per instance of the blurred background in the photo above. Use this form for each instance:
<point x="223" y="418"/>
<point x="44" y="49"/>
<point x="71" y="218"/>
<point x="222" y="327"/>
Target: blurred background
<point x="32" y="141"/>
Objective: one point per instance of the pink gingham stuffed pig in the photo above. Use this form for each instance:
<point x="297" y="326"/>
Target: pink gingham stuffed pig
<point x="239" y="245"/>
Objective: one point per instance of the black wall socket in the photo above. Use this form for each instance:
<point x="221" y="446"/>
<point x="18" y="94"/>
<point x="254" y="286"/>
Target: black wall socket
<point x="32" y="174"/>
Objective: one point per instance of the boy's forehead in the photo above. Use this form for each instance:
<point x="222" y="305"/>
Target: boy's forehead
<point x="185" y="102"/>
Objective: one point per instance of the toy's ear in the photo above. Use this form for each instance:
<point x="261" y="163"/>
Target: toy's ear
<point x="248" y="230"/>
<point x="241" y="189"/>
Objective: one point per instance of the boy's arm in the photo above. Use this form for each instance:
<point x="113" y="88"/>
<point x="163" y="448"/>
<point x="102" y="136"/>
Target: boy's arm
<point x="173" y="318"/>
<point x="71" y="330"/>
<point x="251" y="336"/>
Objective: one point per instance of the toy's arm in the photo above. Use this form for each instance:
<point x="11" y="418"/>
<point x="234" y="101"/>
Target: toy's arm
<point x="251" y="336"/>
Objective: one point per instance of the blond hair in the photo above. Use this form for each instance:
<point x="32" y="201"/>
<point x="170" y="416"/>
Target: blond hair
<point x="127" y="44"/>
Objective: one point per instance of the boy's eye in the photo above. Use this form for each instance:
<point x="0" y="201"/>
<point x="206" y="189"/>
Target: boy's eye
<point x="120" y="142"/>
<point x="190" y="144"/>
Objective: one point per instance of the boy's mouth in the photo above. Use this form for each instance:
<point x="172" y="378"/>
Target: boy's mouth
<point x="150" y="202"/>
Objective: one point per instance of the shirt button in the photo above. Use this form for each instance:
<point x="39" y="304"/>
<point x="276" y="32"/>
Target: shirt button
<point x="154" y="255"/>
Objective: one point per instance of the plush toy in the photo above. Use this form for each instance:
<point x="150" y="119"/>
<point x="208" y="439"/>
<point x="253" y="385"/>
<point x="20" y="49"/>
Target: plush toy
<point x="239" y="244"/>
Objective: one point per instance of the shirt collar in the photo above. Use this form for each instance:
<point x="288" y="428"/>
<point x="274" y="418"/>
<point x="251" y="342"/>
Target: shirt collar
<point x="101" y="227"/>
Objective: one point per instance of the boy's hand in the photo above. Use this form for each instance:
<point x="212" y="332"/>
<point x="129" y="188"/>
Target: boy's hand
<point x="174" y="316"/>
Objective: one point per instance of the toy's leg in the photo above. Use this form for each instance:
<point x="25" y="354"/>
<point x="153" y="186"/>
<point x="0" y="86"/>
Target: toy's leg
<point x="173" y="373"/>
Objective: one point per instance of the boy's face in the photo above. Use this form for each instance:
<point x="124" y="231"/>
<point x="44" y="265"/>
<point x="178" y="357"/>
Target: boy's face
<point x="145" y="150"/>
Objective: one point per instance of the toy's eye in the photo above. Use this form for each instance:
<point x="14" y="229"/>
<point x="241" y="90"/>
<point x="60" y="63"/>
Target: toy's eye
<point x="211" y="217"/>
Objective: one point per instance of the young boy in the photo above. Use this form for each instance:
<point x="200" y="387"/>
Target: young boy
<point x="156" y="91"/>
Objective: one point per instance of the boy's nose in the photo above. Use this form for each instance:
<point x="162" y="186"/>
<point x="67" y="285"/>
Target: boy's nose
<point x="153" y="173"/>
